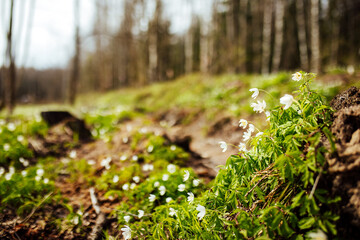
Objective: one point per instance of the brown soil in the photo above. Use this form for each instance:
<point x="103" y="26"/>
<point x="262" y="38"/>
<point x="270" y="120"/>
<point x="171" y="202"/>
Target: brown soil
<point x="344" y="164"/>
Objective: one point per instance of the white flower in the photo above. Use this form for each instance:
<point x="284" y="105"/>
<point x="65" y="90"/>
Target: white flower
<point x="127" y="218"/>
<point x="24" y="162"/>
<point x="2" y="171"/>
<point x="91" y="162"/>
<point x="123" y="158"/>
<point x="125" y="187"/>
<point x="201" y="210"/>
<point x="40" y="172"/>
<point x="181" y="187"/>
<point x="196" y="182"/>
<point x="8" y="176"/>
<point x="72" y="154"/>
<point x="115" y="179"/>
<point x="46" y="180"/>
<point x="191" y="197"/>
<point x="132" y="186"/>
<point x="150" y="148"/>
<point x="243" y="123"/>
<point x="168" y="199"/>
<point x="11" y="127"/>
<point x="106" y="163"/>
<point x="126" y="232"/>
<point x="147" y="167"/>
<point x="173" y="148"/>
<point x="259" y="106"/>
<point x="141" y="213"/>
<point x="223" y="145"/>
<point x="171" y="168"/>
<point x="287" y="100"/>
<point x="318" y="235"/>
<point x="136" y="179"/>
<point x="37" y="178"/>
<point x="251" y="128"/>
<point x="299" y="112"/>
<point x="242" y="147"/>
<point x="11" y="170"/>
<point x="125" y="139"/>
<point x="162" y="190"/>
<point x="259" y="134"/>
<point x="165" y="177"/>
<point x="75" y="220"/>
<point x="6" y="147"/>
<point x="296" y="76"/>
<point x="172" y="212"/>
<point x="246" y="136"/>
<point x="23" y="173"/>
<point x="256" y="92"/>
<point x="156" y="184"/>
<point x="20" y="138"/>
<point x="135" y="158"/>
<point x="186" y="175"/>
<point x="152" y="198"/>
<point x="267" y="113"/>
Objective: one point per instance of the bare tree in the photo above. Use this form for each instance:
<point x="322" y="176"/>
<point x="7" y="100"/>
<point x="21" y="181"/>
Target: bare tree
<point x="315" y="37"/>
<point x="303" y="47"/>
<point x="266" y="42"/>
<point x="76" y="61"/>
<point x="279" y="33"/>
<point x="10" y="79"/>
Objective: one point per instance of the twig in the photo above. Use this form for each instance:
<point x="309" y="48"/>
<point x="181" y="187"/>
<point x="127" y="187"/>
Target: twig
<point x="255" y="185"/>
<point x="315" y="184"/>
<point x="100" y="220"/>
<point x="36" y="208"/>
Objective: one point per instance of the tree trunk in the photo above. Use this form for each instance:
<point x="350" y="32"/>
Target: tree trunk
<point x="335" y="32"/>
<point x="189" y="52"/>
<point x="315" y="38"/>
<point x="204" y="48"/>
<point x="303" y="47"/>
<point x="11" y="73"/>
<point x="266" y="42"/>
<point x="279" y="34"/>
<point x="76" y="64"/>
<point x="242" y="52"/>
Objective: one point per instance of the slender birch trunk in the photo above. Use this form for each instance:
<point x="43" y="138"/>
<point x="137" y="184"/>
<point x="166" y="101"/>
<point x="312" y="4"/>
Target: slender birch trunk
<point x="303" y="47"/>
<point x="266" y="42"/>
<point x="315" y="38"/>
<point x="279" y="33"/>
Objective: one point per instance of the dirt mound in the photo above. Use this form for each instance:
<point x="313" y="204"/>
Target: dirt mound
<point x="344" y="164"/>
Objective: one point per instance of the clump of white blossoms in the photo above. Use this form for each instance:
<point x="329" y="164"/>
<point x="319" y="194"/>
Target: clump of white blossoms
<point x="259" y="106"/>
<point x="72" y="154"/>
<point x="243" y="123"/>
<point x="125" y="187"/>
<point x="246" y="136"/>
<point x="141" y="213"/>
<point x="162" y="190"/>
<point x="106" y="163"/>
<point x="186" y="175"/>
<point x="168" y="199"/>
<point x="297" y="76"/>
<point x="172" y="212"/>
<point x="165" y="177"/>
<point x="201" y="210"/>
<point x="156" y="184"/>
<point x="115" y="179"/>
<point x="127" y="218"/>
<point x="126" y="232"/>
<point x="287" y="100"/>
<point x="242" y="147"/>
<point x="181" y="187"/>
<point x="196" y="182"/>
<point x="255" y="92"/>
<point x="171" y="168"/>
<point x="24" y="162"/>
<point x="223" y="145"/>
<point x="318" y="235"/>
<point x="147" y="167"/>
<point x="190" y="197"/>
<point x="136" y="179"/>
<point x="152" y="198"/>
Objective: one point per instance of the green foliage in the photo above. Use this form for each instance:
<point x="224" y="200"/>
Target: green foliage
<point x="268" y="192"/>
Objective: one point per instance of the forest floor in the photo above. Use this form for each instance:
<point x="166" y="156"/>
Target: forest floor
<point x="199" y="136"/>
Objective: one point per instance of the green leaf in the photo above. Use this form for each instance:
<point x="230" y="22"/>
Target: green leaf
<point x="306" y="223"/>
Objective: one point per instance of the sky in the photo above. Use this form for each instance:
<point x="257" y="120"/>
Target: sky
<point x="51" y="43"/>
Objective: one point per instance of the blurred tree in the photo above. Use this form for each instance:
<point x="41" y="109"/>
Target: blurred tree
<point x="301" y="31"/>
<point x="10" y="77"/>
<point x="266" y="42"/>
<point x="315" y="37"/>
<point x="76" y="60"/>
<point x="279" y="34"/>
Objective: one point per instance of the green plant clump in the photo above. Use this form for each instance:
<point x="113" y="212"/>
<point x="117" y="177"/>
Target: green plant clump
<point x="269" y="190"/>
